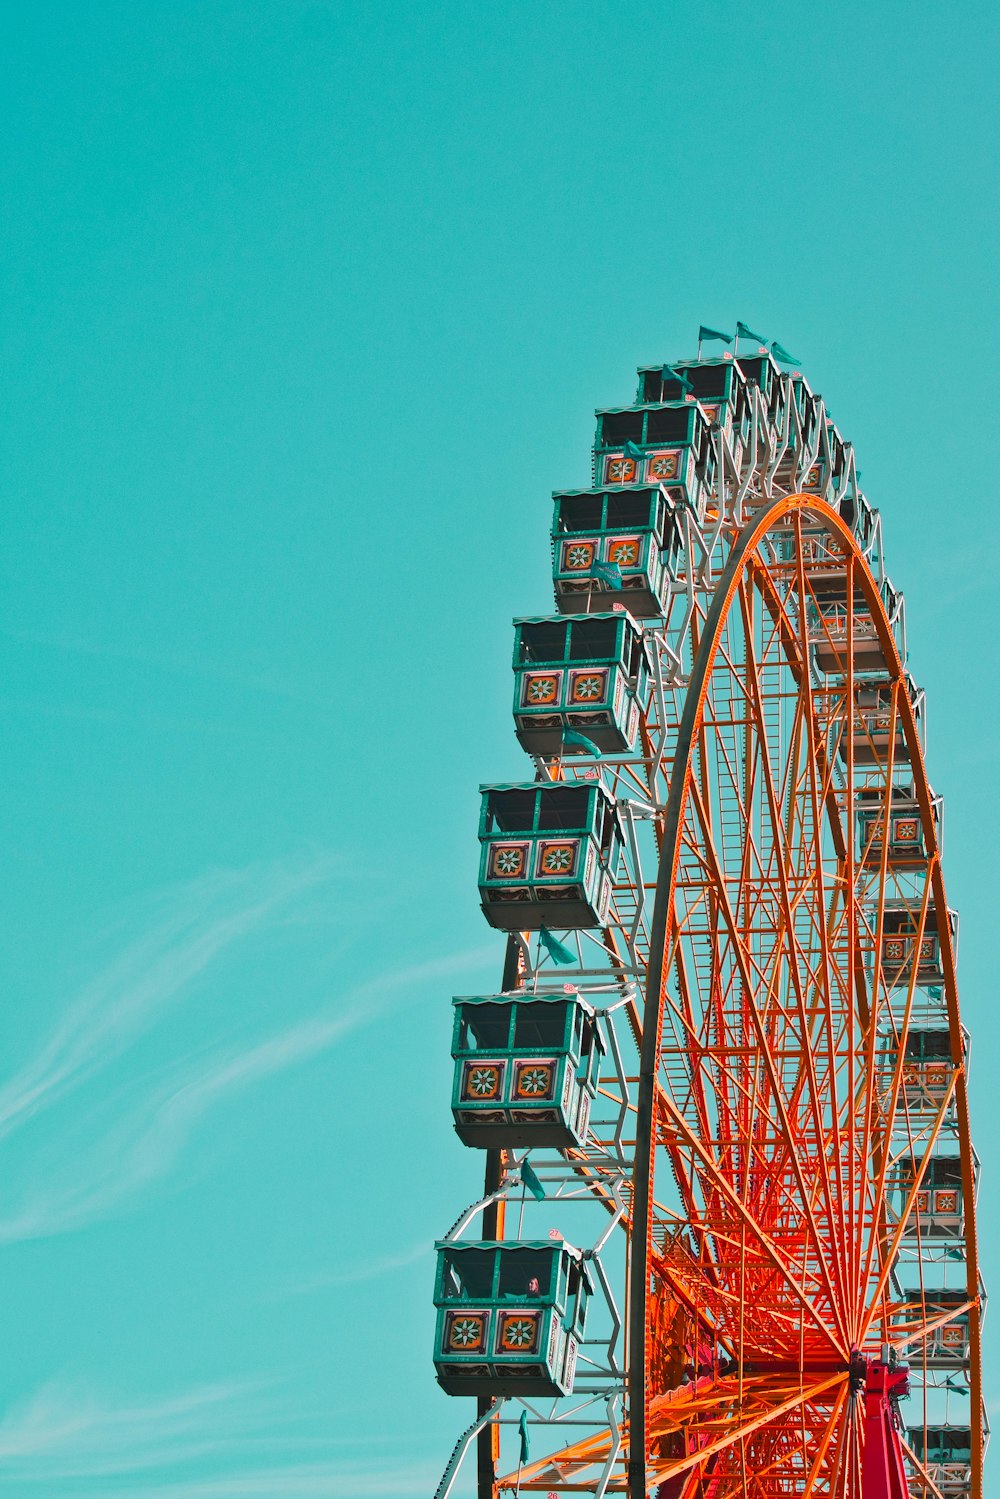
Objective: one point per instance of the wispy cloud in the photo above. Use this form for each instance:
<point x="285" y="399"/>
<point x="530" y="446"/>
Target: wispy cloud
<point x="355" y="1274"/>
<point x="194" y="927"/>
<point x="146" y="1142"/>
<point x="69" y="1433"/>
<point x="109" y="1158"/>
<point x="68" y="1429"/>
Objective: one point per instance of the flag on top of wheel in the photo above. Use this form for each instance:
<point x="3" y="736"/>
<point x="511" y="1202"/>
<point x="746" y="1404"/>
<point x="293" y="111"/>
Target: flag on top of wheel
<point x="783" y="356"/>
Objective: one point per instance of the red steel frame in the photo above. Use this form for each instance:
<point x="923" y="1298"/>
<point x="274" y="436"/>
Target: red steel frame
<point x="761" y="1308"/>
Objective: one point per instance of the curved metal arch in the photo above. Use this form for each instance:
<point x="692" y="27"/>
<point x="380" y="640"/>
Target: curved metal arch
<point x="692" y="718"/>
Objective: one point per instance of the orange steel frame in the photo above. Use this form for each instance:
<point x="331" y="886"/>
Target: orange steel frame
<point x="745" y="1309"/>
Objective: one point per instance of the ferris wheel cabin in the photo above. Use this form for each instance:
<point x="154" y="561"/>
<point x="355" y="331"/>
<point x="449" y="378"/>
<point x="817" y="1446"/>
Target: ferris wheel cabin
<point x="839" y="634"/>
<point x="590" y="674"/>
<point x="631" y="528"/>
<point x="905" y="942"/>
<point x="906" y="847"/>
<point x="946" y="1453"/>
<point x="928" y="1068"/>
<point x="876" y="726"/>
<point x="669" y="445"/>
<point x="550" y="853"/>
<point x="938" y="1208"/>
<point x="510" y="1317"/>
<point x="526" y="1070"/>
<point x="719" y="386"/>
<point x="945" y="1346"/>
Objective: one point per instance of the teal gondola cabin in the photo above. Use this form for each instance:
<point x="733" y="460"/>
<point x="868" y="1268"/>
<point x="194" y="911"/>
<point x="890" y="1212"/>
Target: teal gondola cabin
<point x="718" y="385"/>
<point x="762" y="371"/>
<point x="550" y="853"/>
<point x="905" y="823"/>
<point x="900" y="925"/>
<point x="946" y="1455"/>
<point x="837" y="633"/>
<point x="670" y="444"/>
<point x="937" y="1209"/>
<point x="632" y="528"/>
<point x="510" y="1317"/>
<point x="875" y="725"/>
<point x="928" y="1069"/>
<point x="526" y="1070"/>
<point x="589" y="673"/>
<point x="948" y="1343"/>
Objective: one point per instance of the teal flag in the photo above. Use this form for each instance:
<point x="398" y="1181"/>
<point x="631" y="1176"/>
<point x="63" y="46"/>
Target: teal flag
<point x="555" y="949"/>
<point x="668" y="373"/>
<point x="607" y="572"/>
<point x="522" y="1430"/>
<point x="742" y="331"/>
<point x="633" y="451"/>
<point x="723" y="338"/>
<point x="531" y="1181"/>
<point x="574" y="740"/>
<point x="783" y="356"/>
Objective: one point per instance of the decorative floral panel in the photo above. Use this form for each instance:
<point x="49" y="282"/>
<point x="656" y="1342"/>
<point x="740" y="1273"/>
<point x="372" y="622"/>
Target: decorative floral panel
<point x="465" y="1332"/>
<point x="620" y="470"/>
<point x="625" y="550"/>
<point x="482" y="1080"/>
<point x="578" y="556"/>
<point x="534" y="1080"/>
<point x="540" y="688"/>
<point x="517" y="1332"/>
<point x="557" y="860"/>
<point x="508" y="861"/>
<point x="588" y="686"/>
<point x="661" y="467"/>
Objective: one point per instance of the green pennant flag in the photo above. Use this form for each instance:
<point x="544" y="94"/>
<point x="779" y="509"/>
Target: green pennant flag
<point x="632" y="450"/>
<point x="522" y="1431"/>
<point x="742" y="331"/>
<point x="555" y="949"/>
<point x="531" y="1181"/>
<point x="669" y="373"/>
<point x="723" y="338"/>
<point x="935" y="991"/>
<point x="783" y="356"/>
<point x="574" y="740"/>
<point x="607" y="572"/>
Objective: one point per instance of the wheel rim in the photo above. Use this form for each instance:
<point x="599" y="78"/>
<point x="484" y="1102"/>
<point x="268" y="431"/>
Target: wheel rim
<point x="784" y="1135"/>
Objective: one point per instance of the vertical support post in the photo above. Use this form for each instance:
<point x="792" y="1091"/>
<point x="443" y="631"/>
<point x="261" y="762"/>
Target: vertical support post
<point x="883" y="1474"/>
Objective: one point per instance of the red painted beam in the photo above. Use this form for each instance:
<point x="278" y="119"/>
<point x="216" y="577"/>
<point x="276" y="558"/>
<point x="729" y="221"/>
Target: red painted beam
<point x="883" y="1475"/>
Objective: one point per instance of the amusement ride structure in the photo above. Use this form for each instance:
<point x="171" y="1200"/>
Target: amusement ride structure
<point x="726" y="1244"/>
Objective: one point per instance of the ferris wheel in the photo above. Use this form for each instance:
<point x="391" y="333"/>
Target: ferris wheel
<point x="726" y="1244"/>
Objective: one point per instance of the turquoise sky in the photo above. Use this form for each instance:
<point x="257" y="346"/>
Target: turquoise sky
<point x="306" y="309"/>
